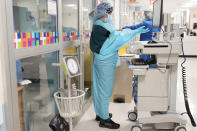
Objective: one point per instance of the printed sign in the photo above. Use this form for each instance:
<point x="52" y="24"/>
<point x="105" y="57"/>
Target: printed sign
<point x="30" y="39"/>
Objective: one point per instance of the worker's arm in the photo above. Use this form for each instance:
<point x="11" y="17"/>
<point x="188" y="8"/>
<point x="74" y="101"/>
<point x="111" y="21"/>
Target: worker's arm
<point x="118" y="39"/>
<point x="134" y="26"/>
<point x="156" y="30"/>
<point x="119" y="29"/>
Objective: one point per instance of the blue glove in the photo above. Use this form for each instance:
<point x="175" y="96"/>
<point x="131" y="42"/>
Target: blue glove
<point x="142" y="30"/>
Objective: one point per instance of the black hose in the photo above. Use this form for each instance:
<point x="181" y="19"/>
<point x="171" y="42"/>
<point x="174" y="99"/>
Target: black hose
<point x="184" y="79"/>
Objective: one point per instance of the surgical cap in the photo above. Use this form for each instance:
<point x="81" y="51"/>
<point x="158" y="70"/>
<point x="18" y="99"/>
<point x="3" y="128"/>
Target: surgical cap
<point x="148" y="15"/>
<point x="102" y="9"/>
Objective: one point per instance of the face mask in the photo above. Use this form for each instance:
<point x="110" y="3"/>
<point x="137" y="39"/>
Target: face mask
<point x="108" y="19"/>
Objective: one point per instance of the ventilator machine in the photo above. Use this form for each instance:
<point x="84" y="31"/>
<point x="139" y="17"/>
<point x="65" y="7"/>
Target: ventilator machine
<point x="157" y="86"/>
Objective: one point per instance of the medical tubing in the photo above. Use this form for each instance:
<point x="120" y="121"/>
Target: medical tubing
<point x="184" y="80"/>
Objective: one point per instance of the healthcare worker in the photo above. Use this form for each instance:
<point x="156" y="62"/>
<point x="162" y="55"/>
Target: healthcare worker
<point x="148" y="24"/>
<point x="143" y="37"/>
<point x="105" y="42"/>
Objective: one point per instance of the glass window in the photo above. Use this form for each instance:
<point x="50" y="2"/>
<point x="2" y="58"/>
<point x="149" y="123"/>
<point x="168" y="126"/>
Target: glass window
<point x="3" y="103"/>
<point x="87" y="27"/>
<point x="130" y="14"/>
<point x="37" y="82"/>
<point x="70" y="20"/>
<point x="35" y="22"/>
<point x="124" y="13"/>
<point x="35" y="15"/>
<point x="87" y="24"/>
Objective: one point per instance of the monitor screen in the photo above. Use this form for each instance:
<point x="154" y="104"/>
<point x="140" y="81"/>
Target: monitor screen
<point x="195" y="26"/>
<point x="157" y="13"/>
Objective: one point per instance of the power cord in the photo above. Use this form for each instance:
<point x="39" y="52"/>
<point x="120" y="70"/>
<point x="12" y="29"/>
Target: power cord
<point x="184" y="83"/>
<point x="185" y="88"/>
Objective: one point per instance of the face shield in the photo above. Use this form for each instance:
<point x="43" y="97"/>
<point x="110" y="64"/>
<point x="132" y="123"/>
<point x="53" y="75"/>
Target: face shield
<point x="109" y="11"/>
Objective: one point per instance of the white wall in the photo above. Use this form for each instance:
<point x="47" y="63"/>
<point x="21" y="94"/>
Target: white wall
<point x="193" y="17"/>
<point x="190" y="45"/>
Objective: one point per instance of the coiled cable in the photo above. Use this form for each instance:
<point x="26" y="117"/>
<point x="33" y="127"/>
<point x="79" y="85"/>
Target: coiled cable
<point x="184" y="80"/>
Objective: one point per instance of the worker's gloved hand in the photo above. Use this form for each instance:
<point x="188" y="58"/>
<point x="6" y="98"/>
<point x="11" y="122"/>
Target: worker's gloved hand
<point x="142" y="30"/>
<point x="119" y="30"/>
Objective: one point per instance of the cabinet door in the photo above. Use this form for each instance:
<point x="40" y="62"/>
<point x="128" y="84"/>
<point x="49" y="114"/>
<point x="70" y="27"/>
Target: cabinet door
<point x="153" y="84"/>
<point x="88" y="57"/>
<point x="35" y="99"/>
<point x="70" y="21"/>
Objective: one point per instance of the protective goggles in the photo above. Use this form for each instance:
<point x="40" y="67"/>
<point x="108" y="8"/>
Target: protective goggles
<point x="110" y="10"/>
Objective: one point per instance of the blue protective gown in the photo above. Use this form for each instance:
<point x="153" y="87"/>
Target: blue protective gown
<point x="104" y="67"/>
<point x="145" y="36"/>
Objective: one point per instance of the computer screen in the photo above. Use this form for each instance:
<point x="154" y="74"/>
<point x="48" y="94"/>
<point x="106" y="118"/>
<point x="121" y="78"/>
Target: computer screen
<point x="157" y="13"/>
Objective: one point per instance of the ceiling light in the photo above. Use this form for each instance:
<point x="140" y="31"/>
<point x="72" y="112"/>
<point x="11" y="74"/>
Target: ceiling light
<point x="70" y="5"/>
<point x="85" y="9"/>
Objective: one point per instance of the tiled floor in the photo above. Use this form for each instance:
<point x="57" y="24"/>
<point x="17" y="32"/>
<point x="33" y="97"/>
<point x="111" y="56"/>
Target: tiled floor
<point x="120" y="111"/>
